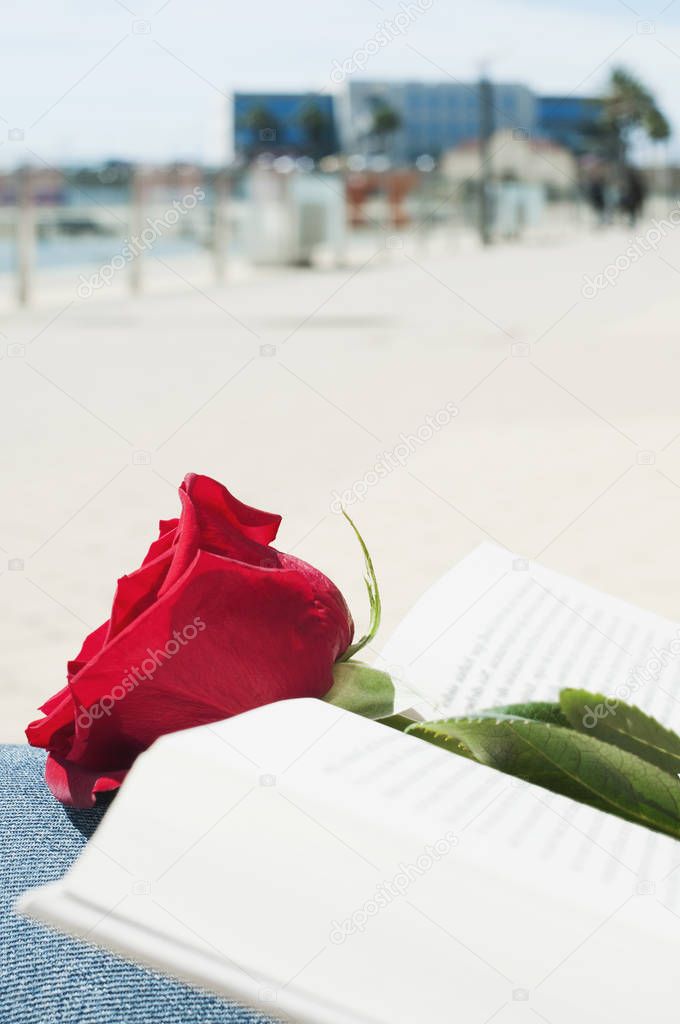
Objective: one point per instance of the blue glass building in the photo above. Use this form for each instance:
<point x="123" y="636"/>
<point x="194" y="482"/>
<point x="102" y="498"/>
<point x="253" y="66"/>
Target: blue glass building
<point x="572" y="121"/>
<point x="297" y="124"/>
<point x="426" y="118"/>
<point x="433" y="116"/>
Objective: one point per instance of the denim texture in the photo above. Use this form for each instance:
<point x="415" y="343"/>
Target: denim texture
<point x="47" y="978"/>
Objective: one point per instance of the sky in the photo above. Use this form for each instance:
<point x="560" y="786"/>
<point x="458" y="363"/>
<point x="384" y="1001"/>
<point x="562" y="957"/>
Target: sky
<point x="86" y="80"/>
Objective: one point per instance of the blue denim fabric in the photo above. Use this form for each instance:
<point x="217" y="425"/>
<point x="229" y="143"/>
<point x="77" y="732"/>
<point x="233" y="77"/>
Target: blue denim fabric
<point x="46" y="978"/>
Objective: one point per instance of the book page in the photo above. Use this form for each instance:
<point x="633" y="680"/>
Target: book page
<point x="498" y="629"/>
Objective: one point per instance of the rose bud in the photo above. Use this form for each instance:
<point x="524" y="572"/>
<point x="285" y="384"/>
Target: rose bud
<point x="213" y="623"/>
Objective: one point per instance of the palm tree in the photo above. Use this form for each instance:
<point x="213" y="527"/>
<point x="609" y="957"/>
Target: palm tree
<point x="628" y="107"/>
<point x="385" y="122"/>
<point x="262" y="126"/>
<point x="316" y="126"/>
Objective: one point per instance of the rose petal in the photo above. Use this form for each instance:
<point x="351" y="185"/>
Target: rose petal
<point x="56" y="730"/>
<point x="216" y="504"/>
<point x="213" y="520"/>
<point x="76" y="786"/>
<point x="136" y="592"/>
<point x="324" y="587"/>
<point x="92" y="644"/>
<point x="167" y="529"/>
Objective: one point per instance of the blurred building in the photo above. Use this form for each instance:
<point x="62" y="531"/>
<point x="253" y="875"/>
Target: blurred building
<point x="294" y="124"/>
<point x="571" y="121"/>
<point x="404" y="120"/>
<point x="515" y="156"/>
<point x="47" y="186"/>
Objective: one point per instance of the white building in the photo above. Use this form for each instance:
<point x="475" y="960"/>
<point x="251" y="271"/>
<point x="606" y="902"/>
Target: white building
<point x="515" y="156"/>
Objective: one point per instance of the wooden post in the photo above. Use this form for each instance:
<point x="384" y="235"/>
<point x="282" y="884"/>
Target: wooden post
<point x="485" y="133"/>
<point x="25" y="236"/>
<point x="220" y="237"/>
<point x="136" y="215"/>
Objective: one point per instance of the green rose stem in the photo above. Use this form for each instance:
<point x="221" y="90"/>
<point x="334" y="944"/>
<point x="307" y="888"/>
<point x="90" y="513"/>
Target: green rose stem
<point x="371" y="582"/>
<point x="356" y="686"/>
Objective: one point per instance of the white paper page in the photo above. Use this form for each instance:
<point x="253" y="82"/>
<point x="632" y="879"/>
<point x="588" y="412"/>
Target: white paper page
<point x="497" y="629"/>
<point x="265" y="857"/>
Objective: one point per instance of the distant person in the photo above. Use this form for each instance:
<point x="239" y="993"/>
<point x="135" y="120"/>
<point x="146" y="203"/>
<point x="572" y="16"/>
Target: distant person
<point x="598" y="199"/>
<point x="632" y="197"/>
<point x="612" y="199"/>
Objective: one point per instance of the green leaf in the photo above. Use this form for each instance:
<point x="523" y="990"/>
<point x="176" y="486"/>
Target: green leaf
<point x="371" y="582"/>
<point x="537" y="711"/>
<point x="566" y="762"/>
<point x="359" y="688"/>
<point x="624" y="726"/>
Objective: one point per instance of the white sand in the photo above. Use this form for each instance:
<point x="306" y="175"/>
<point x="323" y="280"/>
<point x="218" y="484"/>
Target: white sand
<point x="544" y="455"/>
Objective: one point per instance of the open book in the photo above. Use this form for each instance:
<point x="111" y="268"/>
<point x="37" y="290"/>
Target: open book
<point x="325" y="868"/>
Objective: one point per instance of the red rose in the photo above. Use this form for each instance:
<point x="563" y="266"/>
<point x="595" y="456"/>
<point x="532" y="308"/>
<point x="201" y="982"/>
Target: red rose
<point x="214" y="622"/>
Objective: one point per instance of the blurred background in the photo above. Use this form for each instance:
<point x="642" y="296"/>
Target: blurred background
<point x="416" y="260"/>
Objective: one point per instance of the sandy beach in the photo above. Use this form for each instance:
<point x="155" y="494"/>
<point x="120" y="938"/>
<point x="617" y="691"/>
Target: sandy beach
<point x="447" y="394"/>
